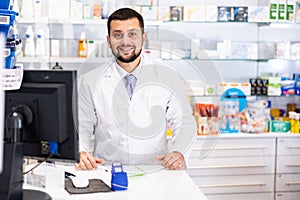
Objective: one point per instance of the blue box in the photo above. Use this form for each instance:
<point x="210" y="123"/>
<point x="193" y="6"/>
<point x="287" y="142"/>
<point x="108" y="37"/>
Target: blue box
<point x="4" y="4"/>
<point x="7" y="19"/>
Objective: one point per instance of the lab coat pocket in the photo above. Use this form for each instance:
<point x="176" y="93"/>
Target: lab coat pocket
<point x="157" y="106"/>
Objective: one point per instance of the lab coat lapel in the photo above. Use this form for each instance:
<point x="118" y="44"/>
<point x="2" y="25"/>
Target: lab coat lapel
<point x="115" y="84"/>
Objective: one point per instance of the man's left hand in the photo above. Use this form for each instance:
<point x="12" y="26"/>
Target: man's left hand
<point x="174" y="160"/>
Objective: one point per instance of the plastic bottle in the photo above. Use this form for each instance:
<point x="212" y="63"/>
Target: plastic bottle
<point x="91" y="49"/>
<point x="82" y="46"/>
<point x="40" y="44"/>
<point x="29" y="50"/>
<point x="86" y="9"/>
<point x="27" y="9"/>
<point x="105" y="9"/>
<point x="37" y="9"/>
<point x="16" y="8"/>
<point x="297" y="123"/>
<point x="292" y="121"/>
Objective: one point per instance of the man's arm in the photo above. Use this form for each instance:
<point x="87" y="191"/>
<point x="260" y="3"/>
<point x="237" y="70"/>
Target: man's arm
<point x="87" y="161"/>
<point x="184" y="129"/>
<point x="87" y="122"/>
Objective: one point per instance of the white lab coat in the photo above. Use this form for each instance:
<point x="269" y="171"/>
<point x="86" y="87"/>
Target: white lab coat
<point x="134" y="132"/>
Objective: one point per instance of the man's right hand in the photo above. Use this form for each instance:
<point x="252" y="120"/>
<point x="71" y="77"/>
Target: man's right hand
<point x="87" y="161"/>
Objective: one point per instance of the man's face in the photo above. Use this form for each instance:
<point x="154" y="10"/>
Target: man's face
<point x="126" y="39"/>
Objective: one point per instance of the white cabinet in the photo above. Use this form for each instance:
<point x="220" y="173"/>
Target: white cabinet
<point x="288" y="168"/>
<point x="233" y="167"/>
<point x="245" y="166"/>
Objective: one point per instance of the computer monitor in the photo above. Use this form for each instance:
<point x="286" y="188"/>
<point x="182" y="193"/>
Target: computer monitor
<point x="42" y="117"/>
<point x="1" y="128"/>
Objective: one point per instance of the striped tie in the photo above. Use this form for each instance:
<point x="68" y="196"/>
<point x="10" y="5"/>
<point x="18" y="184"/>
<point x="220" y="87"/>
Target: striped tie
<point x="130" y="83"/>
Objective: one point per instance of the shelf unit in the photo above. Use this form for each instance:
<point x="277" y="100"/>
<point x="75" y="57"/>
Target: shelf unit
<point x="256" y="156"/>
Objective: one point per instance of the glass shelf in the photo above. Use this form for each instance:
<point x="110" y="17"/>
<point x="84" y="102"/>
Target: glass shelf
<point x="151" y="22"/>
<point x="63" y="60"/>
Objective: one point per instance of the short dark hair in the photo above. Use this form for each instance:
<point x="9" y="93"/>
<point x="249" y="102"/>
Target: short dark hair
<point x="124" y="14"/>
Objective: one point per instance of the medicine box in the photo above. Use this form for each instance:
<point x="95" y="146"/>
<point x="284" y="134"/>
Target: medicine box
<point x="279" y="126"/>
<point x="244" y="87"/>
<point x="164" y="13"/>
<point x="194" y="13"/>
<point x="149" y="12"/>
<point x="258" y="14"/>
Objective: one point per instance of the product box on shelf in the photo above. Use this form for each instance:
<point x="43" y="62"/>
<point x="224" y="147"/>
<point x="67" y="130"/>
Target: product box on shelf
<point x="194" y="13"/>
<point x="287" y="86"/>
<point x="230" y="116"/>
<point x="281" y="10"/>
<point x="266" y="50"/>
<point x="58" y="9"/>
<point x="149" y="12"/>
<point x="206" y="116"/>
<point x="273" y="10"/>
<point x="243" y="87"/>
<point x="258" y="86"/>
<point x="176" y="13"/>
<point x="258" y="14"/>
<point x="164" y="13"/>
<point x="211" y="13"/>
<point x="290" y="10"/>
<point x="225" y="13"/>
<point x="210" y="90"/>
<point x="278" y="126"/>
<point x="274" y="86"/>
<point x="297" y="12"/>
<point x="256" y="116"/>
<point x="241" y="14"/>
<point x="193" y="88"/>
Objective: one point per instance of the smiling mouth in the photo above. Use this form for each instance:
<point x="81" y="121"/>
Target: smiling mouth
<point x="126" y="49"/>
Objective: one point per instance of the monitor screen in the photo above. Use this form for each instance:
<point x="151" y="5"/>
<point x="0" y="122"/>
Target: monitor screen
<point x="47" y="101"/>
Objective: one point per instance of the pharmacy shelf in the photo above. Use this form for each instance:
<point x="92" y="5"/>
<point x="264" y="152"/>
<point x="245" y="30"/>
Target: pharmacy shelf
<point x="61" y="21"/>
<point x="249" y="135"/>
<point x="63" y="60"/>
<point x="32" y="60"/>
<point x="79" y="60"/>
<point x="32" y="21"/>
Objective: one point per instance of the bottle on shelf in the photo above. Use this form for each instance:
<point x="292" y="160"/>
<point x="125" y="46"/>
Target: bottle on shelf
<point x="292" y="121"/>
<point x="86" y="9"/>
<point x="29" y="50"/>
<point x="16" y="8"/>
<point x="91" y="49"/>
<point x="27" y="9"/>
<point x="105" y="9"/>
<point x="297" y="123"/>
<point x="37" y="9"/>
<point x="82" y="46"/>
<point x="40" y="50"/>
<point x="97" y="11"/>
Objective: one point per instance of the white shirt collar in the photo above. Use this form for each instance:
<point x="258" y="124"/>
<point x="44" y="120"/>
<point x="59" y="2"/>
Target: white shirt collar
<point x="123" y="72"/>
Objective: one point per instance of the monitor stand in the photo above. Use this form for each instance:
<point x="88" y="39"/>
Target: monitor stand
<point x="12" y="173"/>
<point x="35" y="194"/>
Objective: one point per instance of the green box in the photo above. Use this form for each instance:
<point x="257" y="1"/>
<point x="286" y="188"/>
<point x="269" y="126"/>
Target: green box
<point x="273" y="11"/>
<point x="279" y="126"/>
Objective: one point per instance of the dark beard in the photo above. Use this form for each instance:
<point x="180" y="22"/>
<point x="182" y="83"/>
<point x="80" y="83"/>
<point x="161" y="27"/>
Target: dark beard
<point x="131" y="59"/>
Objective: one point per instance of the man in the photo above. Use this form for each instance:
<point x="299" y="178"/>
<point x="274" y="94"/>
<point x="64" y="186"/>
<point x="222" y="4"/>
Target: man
<point x="130" y="126"/>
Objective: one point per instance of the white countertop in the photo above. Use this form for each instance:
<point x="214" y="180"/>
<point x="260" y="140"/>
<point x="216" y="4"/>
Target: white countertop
<point x="156" y="183"/>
